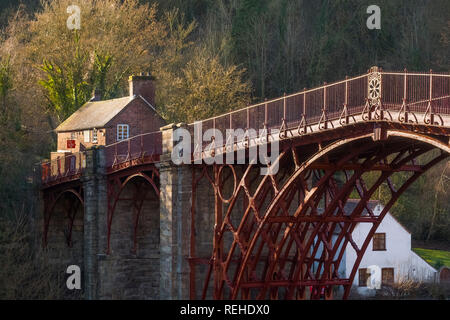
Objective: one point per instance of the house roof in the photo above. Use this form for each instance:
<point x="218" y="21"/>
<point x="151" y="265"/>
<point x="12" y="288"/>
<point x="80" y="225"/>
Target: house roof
<point x="96" y="114"/>
<point x="351" y="204"/>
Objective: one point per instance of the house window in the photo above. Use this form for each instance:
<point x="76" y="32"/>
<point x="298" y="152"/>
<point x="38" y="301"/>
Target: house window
<point x="363" y="276"/>
<point x="87" y="134"/>
<point x="94" y="136"/>
<point x="387" y="276"/>
<point x="122" y="132"/>
<point x="379" y="242"/>
<point x="73" y="135"/>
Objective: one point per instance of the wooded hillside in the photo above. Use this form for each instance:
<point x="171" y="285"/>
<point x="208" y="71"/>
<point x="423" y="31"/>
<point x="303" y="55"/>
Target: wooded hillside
<point x="208" y="56"/>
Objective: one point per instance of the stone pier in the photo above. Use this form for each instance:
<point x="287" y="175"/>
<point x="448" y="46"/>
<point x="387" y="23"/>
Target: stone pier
<point x="157" y="266"/>
<point x="175" y="204"/>
<point x="95" y="209"/>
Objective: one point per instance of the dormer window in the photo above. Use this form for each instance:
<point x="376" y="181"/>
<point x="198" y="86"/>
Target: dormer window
<point x="123" y="132"/>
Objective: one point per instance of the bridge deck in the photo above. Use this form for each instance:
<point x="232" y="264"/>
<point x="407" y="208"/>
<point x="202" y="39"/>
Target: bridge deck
<point x="414" y="100"/>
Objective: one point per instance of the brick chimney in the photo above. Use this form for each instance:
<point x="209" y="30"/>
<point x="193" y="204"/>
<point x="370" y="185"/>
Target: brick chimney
<point x="97" y="95"/>
<point x="143" y="85"/>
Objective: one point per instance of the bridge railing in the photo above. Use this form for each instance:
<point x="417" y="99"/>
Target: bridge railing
<point x="403" y="92"/>
<point x="305" y="107"/>
<point x="144" y="147"/>
<point x="396" y="91"/>
<point x="417" y="91"/>
<point x="63" y="167"/>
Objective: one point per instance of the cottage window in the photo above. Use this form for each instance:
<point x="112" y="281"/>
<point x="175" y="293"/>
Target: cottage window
<point x="363" y="276"/>
<point x="73" y="135"/>
<point x="387" y="276"/>
<point x="122" y="132"/>
<point x="87" y="134"/>
<point x="379" y="242"/>
<point x="95" y="136"/>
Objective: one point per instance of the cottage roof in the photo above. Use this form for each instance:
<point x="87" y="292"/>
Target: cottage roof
<point x="351" y="204"/>
<point x="96" y="114"/>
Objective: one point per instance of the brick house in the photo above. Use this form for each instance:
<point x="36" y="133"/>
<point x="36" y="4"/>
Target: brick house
<point x="103" y="122"/>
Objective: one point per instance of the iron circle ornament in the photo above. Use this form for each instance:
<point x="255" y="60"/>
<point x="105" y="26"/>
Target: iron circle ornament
<point x="220" y="184"/>
<point x="374" y="87"/>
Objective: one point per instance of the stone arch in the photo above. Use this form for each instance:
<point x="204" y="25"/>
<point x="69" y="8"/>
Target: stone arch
<point x="63" y="237"/>
<point x="63" y="221"/>
<point x="131" y="267"/>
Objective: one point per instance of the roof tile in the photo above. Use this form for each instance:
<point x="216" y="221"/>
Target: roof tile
<point x="94" y="114"/>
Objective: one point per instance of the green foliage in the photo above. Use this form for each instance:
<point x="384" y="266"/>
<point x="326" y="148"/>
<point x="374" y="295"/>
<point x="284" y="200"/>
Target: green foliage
<point x="210" y="57"/>
<point x="15" y="154"/>
<point x="117" y="38"/>
<point x="424" y="208"/>
<point x="66" y="88"/>
<point x="99" y="75"/>
<point x="69" y="86"/>
<point x="437" y="258"/>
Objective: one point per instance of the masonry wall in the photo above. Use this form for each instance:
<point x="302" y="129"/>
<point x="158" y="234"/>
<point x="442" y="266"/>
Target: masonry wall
<point x="79" y="140"/>
<point x="125" y="274"/>
<point x="159" y="268"/>
<point x="204" y="226"/>
<point x="140" y="118"/>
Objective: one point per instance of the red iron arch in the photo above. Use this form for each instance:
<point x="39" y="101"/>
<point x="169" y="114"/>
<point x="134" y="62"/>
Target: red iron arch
<point x="50" y="206"/>
<point x="114" y="197"/>
<point x="275" y="251"/>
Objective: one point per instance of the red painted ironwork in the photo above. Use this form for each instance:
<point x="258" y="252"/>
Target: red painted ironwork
<point x="138" y="150"/>
<point x="63" y="169"/>
<point x="282" y="242"/>
<point x="51" y="200"/>
<point x="378" y="95"/>
<point x="116" y="184"/>
<point x="283" y="236"/>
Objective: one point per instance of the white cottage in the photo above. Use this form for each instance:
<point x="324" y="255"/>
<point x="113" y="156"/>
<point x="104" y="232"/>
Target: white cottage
<point x="388" y="257"/>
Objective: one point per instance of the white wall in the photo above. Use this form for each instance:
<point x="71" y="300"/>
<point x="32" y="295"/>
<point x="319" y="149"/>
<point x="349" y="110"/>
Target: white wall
<point x="398" y="254"/>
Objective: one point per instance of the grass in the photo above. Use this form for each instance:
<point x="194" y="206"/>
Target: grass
<point x="437" y="258"/>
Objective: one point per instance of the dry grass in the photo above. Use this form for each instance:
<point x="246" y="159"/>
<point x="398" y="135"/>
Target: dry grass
<point x="408" y="290"/>
<point x="24" y="271"/>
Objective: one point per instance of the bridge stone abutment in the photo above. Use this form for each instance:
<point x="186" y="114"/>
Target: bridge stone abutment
<point x="175" y="198"/>
<point x="95" y="211"/>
